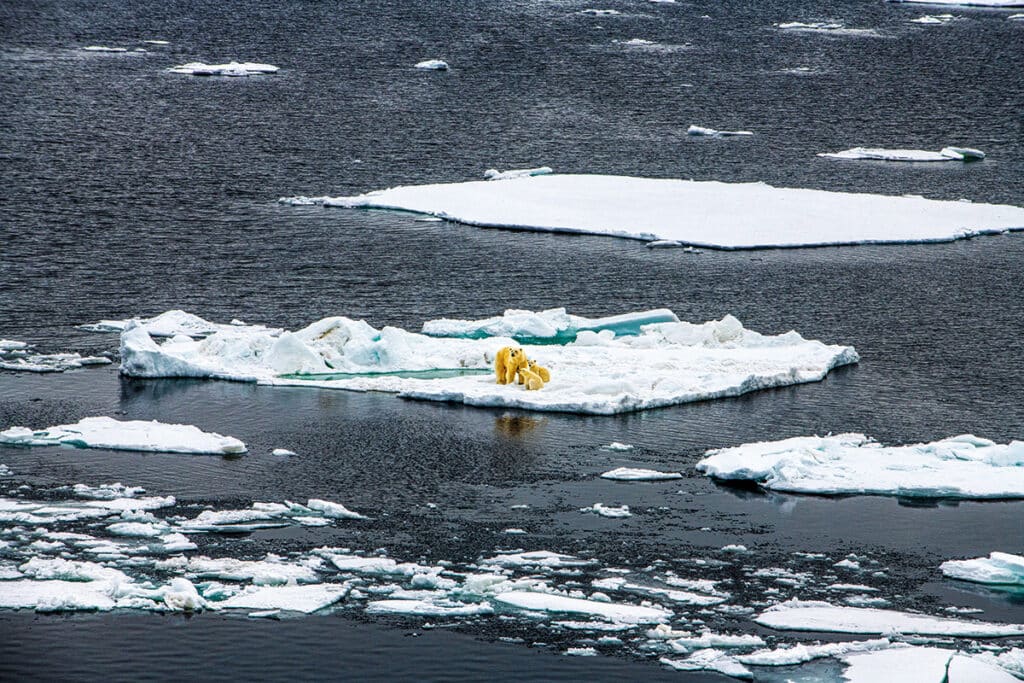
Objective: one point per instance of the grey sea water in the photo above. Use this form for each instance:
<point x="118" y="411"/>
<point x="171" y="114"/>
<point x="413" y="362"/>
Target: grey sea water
<point x="127" y="190"/>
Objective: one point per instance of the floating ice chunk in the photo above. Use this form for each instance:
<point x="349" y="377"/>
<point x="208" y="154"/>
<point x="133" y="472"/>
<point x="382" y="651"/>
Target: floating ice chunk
<point x="65" y="570"/>
<point x="1016" y="17"/>
<point x="800" y="653"/>
<point x="181" y="595"/>
<point x="269" y="572"/>
<point x="495" y="174"/>
<point x="107" y="491"/>
<point x="924" y="664"/>
<point x="735" y="548"/>
<point x="174" y="323"/>
<point x="708" y="639"/>
<point x="650" y="209"/>
<point x="997" y="568"/>
<point x="711" y="660"/>
<point x="957" y="467"/>
<point x="421" y="608"/>
<point x="157" y="42"/>
<point x="332" y="510"/>
<point x="638" y="474"/>
<point x="11" y="345"/>
<point x="432" y="65"/>
<point x="609" y="511"/>
<point x="551" y="325"/>
<point x="305" y="599"/>
<point x="5" y="471"/>
<point x="711" y="132"/>
<point x="617" y="446"/>
<point x="933" y="19"/>
<point x="796" y="615"/>
<point x="54" y="596"/>
<point x="282" y="452"/>
<point x="140" y="529"/>
<point x="664" y="244"/>
<point x="229" y="69"/>
<point x="132" y="435"/>
<point x="536" y="558"/>
<point x="104" y="48"/>
<point x="543" y="602"/>
<point x="20" y="360"/>
<point x="812" y="26"/>
<point x="593" y="626"/>
<point x="135" y="504"/>
<point x="581" y="652"/>
<point x="601" y="12"/>
<point x="879" y="154"/>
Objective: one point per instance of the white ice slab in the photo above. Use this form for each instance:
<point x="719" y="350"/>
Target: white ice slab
<point x="712" y="214"/>
<point x="104" y="48"/>
<point x="880" y="154"/>
<point x="920" y="665"/>
<point x="432" y="65"/>
<point x="711" y="132"/>
<point x="801" y="652"/>
<point x="933" y="19"/>
<point x="130" y="435"/>
<point x="958" y="467"/>
<point x="305" y="599"/>
<point x="997" y="568"/>
<point x="495" y="174"/>
<point x="796" y="615"/>
<point x="639" y="474"/>
<point x="599" y="373"/>
<point x="543" y="602"/>
<point x="552" y="324"/>
<point x="272" y="571"/>
<point x="54" y="596"/>
<point x="711" y="660"/>
<point x="422" y="608"/>
<point x="229" y="69"/>
<point x="173" y="323"/>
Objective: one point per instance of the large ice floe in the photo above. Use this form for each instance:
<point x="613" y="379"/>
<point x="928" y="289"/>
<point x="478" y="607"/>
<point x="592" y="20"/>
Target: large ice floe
<point x="701" y="213"/>
<point x="230" y="69"/>
<point x="130" y="435"/>
<point x="958" y="467"/>
<point x="998" y="568"/>
<point x="653" y="364"/>
<point x="21" y="357"/>
<point x="880" y="154"/>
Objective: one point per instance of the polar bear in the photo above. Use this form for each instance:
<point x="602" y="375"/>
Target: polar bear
<point x="509" y="361"/>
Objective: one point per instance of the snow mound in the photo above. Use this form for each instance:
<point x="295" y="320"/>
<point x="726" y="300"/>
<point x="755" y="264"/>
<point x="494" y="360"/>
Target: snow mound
<point x="172" y="324"/>
<point x="432" y="65"/>
<point x="879" y="154"/>
<point x="550" y="325"/>
<point x="639" y="474"/>
<point x="958" y="467"/>
<point x="712" y="214"/>
<point x="997" y="568"/>
<point x="796" y="615"/>
<point x="495" y="174"/>
<point x="711" y="132"/>
<point x="230" y="69"/>
<point x="133" y="435"/>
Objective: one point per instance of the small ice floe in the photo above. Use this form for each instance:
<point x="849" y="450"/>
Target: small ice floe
<point x="925" y="664"/>
<point x="800" y="653"/>
<point x="422" y="608"/>
<point x="618" y="446"/>
<point x="735" y="548"/>
<point x="879" y="154"/>
<point x="932" y="19"/>
<point x="106" y="491"/>
<point x="582" y="651"/>
<point x="132" y="435"/>
<point x="812" y="26"/>
<point x="797" y="615"/>
<point x="234" y="69"/>
<point x="514" y="531"/>
<point x="711" y="132"/>
<point x="664" y="244"/>
<point x="495" y="174"/>
<point x="537" y="558"/>
<point x="174" y="323"/>
<point x="1016" y="17"/>
<point x="20" y="357"/>
<point x="601" y="12"/>
<point x="617" y="612"/>
<point x="638" y="474"/>
<point x="711" y="660"/>
<point x="709" y="597"/>
<point x="104" y="48"/>
<point x="11" y="345"/>
<point x="710" y="639"/>
<point x="305" y="599"/>
<point x="432" y="65"/>
<point x="609" y="511"/>
<point x="650" y="209"/>
<point x="958" y="467"/>
<point x="267" y="516"/>
<point x="157" y="42"/>
<point x="282" y="452"/>
<point x="997" y="568"/>
<point x="272" y="571"/>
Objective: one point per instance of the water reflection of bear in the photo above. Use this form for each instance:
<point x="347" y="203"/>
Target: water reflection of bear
<point x="516" y="425"/>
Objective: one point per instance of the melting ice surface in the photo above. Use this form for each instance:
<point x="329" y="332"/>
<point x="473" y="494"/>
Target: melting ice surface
<point x="552" y="325"/>
<point x="958" y="467"/>
<point x="879" y="154"/>
<point x="132" y="435"/>
<point x="599" y="373"/>
<point x="997" y="568"/>
<point x="692" y="212"/>
<point x="19" y="356"/>
<point x="229" y="69"/>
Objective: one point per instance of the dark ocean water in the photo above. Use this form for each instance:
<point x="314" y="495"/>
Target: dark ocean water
<point x="129" y="191"/>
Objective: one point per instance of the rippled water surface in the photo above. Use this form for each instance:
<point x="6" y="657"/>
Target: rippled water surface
<point x="129" y="191"/>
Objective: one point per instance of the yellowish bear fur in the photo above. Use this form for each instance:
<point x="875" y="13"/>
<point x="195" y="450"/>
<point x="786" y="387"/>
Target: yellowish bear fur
<point x="532" y="379"/>
<point x="509" y="361"/>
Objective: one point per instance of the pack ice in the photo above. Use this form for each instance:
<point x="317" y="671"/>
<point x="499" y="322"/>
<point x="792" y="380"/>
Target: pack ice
<point x="131" y="435"/>
<point x="710" y="213"/>
<point x="598" y="373"/>
<point x="20" y="356"/>
<point x="958" y="467"/>
<point x="997" y="568"/>
<point x="229" y="69"/>
<point x="880" y="154"/>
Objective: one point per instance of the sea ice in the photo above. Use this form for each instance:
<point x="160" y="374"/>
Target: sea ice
<point x="694" y="212"/>
<point x="229" y="69"/>
<point x="544" y="602"/>
<point x="800" y="653"/>
<point x="271" y="571"/>
<point x="997" y="568"/>
<point x="958" y="467"/>
<point x="796" y="615"/>
<point x="104" y="48"/>
<point x="609" y="511"/>
<point x="536" y="558"/>
<point x="711" y="132"/>
<point x="19" y="357"/>
<point x="54" y="596"/>
<point x="879" y="154"/>
<point x="173" y="323"/>
<point x="432" y="65"/>
<point x="635" y="474"/>
<point x="553" y="324"/>
<point x="495" y="174"/>
<point x="305" y="599"/>
<point x="920" y="665"/>
<point x="421" y="608"/>
<point x="131" y="435"/>
<point x="711" y="660"/>
<point x="933" y="19"/>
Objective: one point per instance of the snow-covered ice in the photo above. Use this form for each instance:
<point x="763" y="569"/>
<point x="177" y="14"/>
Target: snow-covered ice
<point x="796" y="615"/>
<point x="997" y="568"/>
<point x="104" y="48"/>
<point x="609" y="511"/>
<point x="173" y="323"/>
<point x="880" y="154"/>
<point x="553" y="324"/>
<point x="306" y="599"/>
<point x="931" y="19"/>
<point x="618" y="446"/>
<point x="963" y="466"/>
<point x="711" y="660"/>
<point x="544" y="602"/>
<point x="801" y="652"/>
<point x="708" y="213"/>
<point x="636" y="474"/>
<point x="809" y="26"/>
<point x="920" y="665"/>
<point x="130" y="435"/>
<point x="229" y="69"/>
<point x="711" y="132"/>
<point x="495" y="174"/>
<point x="432" y="65"/>
<point x="422" y="608"/>
<point x="20" y="357"/>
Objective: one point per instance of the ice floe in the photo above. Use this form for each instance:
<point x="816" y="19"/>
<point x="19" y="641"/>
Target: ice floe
<point x="174" y="323"/>
<point x="636" y="474"/>
<point x="958" y="467"/>
<point x="809" y="26"/>
<point x="711" y="132"/>
<point x="229" y="69"/>
<point x="997" y="568"/>
<point x="931" y="19"/>
<point x="104" y="48"/>
<point x="20" y="357"/>
<point x="495" y="174"/>
<point x="428" y="609"/>
<point x="601" y="12"/>
<point x="801" y="652"/>
<point x="609" y="511"/>
<point x="711" y="660"/>
<point x="701" y="213"/>
<point x="879" y="154"/>
<point x="551" y="325"/>
<point x="543" y="602"/>
<point x="129" y="435"/>
<point x="797" y="615"/>
<point x="920" y="665"/>
<point x="432" y="65"/>
<point x="305" y="599"/>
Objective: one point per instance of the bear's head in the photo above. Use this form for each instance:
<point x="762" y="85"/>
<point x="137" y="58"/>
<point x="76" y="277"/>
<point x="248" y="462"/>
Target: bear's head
<point x="517" y="358"/>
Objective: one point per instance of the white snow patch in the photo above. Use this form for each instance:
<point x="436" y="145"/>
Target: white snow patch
<point x="132" y="435"/>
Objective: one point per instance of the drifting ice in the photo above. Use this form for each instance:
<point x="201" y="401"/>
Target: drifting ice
<point x="172" y="324"/>
<point x="133" y="435"/>
<point x="997" y="568"/>
<point x="696" y="213"/>
<point x="711" y="132"/>
<point x="958" y="467"/>
<point x="636" y="474"/>
<point x="433" y="65"/>
<point x="879" y="154"/>
<point x="229" y="69"/>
